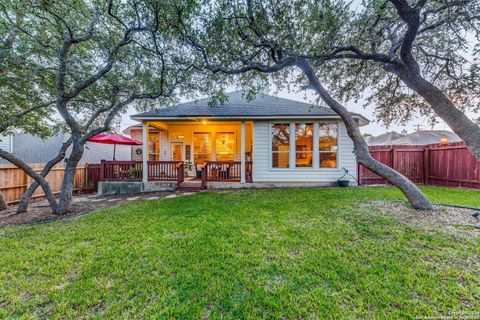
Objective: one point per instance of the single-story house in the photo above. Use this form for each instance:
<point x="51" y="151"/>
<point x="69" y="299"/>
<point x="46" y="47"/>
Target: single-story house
<point x="264" y="141"/>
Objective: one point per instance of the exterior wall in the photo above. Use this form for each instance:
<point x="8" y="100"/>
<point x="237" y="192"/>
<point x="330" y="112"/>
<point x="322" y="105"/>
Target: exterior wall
<point x="95" y="152"/>
<point x="5" y="143"/>
<point x="136" y="133"/>
<point x="32" y="149"/>
<point x="262" y="171"/>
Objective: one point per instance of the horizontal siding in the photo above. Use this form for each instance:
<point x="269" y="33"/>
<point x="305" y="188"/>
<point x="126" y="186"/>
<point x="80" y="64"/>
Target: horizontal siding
<point x="5" y="142"/>
<point x="261" y="160"/>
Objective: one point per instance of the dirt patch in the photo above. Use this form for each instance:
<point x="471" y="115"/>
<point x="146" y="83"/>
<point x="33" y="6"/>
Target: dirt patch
<point x="452" y="220"/>
<point x="40" y="212"/>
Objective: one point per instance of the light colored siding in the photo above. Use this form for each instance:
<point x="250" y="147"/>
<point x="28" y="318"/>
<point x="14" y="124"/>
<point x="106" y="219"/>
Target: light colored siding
<point x="95" y="152"/>
<point x="262" y="171"/>
<point x="5" y="143"/>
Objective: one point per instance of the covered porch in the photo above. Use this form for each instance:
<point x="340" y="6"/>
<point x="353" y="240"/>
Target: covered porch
<point x="191" y="153"/>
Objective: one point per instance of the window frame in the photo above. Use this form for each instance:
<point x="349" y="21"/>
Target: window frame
<point x="214" y="145"/>
<point x="212" y="137"/>
<point x="312" y="123"/>
<point x="270" y="141"/>
<point x="337" y="137"/>
<point x="292" y="147"/>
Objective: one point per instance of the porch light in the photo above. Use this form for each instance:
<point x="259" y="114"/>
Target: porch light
<point x="443" y="140"/>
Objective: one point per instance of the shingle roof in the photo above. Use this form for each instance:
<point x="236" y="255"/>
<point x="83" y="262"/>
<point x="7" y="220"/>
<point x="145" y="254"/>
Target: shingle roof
<point x="262" y="105"/>
<point x="426" y="137"/>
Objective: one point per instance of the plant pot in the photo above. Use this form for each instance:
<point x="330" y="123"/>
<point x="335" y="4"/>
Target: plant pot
<point x="343" y="183"/>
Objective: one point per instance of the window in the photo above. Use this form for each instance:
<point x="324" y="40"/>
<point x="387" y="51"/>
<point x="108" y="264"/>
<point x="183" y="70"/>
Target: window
<point x="327" y="136"/>
<point x="202" y="147"/>
<point x="188" y="156"/>
<point x="280" y="145"/>
<point x="154" y="146"/>
<point x="304" y="145"/>
<point x="225" y="146"/>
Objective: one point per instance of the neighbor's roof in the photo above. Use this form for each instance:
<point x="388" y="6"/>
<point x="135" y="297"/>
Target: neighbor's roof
<point x="383" y="139"/>
<point x="424" y="137"/>
<point x="263" y="106"/>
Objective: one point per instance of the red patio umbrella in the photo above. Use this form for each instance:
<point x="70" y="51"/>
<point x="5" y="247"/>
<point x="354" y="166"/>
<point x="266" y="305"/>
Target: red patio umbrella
<point x="114" y="139"/>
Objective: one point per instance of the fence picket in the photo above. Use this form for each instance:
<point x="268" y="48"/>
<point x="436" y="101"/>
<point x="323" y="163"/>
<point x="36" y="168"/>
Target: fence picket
<point x="451" y="165"/>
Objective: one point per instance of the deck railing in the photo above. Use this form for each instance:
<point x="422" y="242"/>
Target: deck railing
<point x="133" y="171"/>
<point x="220" y="171"/>
<point x="225" y="171"/>
<point x="120" y="170"/>
<point x="165" y="171"/>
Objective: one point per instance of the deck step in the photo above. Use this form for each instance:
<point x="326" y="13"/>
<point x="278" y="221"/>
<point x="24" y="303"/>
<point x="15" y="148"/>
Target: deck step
<point x="189" y="186"/>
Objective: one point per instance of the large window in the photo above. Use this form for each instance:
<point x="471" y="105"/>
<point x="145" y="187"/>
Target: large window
<point x="202" y="147"/>
<point x="225" y="146"/>
<point x="280" y="145"/>
<point x="304" y="145"/>
<point x="327" y="136"/>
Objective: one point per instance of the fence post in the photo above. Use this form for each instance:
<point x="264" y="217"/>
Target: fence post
<point x="102" y="170"/>
<point x="426" y="161"/>
<point x="394" y="158"/>
<point x="359" y="174"/>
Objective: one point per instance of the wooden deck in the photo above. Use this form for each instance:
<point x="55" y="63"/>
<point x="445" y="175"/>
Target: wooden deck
<point x="219" y="171"/>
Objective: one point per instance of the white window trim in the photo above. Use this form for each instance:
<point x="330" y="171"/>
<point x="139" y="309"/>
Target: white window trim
<point x="270" y="158"/>
<point x="338" y="146"/>
<point x="316" y="145"/>
<point x="235" y="153"/>
<point x="212" y="134"/>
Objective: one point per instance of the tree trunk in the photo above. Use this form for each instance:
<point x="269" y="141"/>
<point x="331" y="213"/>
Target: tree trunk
<point x="3" y="203"/>
<point x="23" y="204"/>
<point x="464" y="127"/>
<point x="34" y="175"/>
<point x="66" y="191"/>
<point x="416" y="198"/>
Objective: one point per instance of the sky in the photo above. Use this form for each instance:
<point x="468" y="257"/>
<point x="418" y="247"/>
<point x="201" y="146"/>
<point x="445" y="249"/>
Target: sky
<point x="374" y="128"/>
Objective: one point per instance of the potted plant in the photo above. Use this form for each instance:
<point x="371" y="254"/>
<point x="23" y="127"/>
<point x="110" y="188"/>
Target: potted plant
<point x="343" y="181"/>
<point x="188" y="166"/>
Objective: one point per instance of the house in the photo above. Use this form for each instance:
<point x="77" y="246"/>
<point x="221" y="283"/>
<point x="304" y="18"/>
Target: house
<point x="424" y="137"/>
<point x="421" y="137"/>
<point x="268" y="141"/>
<point x="33" y="149"/>
<point x="383" y="139"/>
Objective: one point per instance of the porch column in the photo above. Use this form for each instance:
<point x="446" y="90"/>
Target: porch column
<point x="242" y="151"/>
<point x="145" y="152"/>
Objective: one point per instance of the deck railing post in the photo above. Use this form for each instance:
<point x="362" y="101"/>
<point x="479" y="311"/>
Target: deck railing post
<point x="180" y="171"/>
<point x="394" y="158"/>
<point x="242" y="152"/>
<point x="204" y="175"/>
<point x="102" y="170"/>
<point x="145" y="153"/>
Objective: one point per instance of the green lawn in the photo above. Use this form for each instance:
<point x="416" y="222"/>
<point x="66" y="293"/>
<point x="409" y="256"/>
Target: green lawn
<point x="285" y="253"/>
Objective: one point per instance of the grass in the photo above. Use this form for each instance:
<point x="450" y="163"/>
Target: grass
<point x="285" y="253"/>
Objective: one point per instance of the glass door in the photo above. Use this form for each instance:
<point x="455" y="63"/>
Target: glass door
<point x="176" y="151"/>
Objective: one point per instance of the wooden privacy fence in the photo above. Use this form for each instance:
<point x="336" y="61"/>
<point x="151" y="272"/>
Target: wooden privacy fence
<point x="443" y="165"/>
<point x="14" y="182"/>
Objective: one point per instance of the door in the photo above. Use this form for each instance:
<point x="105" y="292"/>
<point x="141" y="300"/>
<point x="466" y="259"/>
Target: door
<point x="176" y="150"/>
